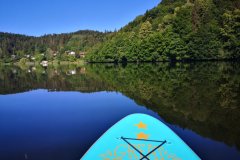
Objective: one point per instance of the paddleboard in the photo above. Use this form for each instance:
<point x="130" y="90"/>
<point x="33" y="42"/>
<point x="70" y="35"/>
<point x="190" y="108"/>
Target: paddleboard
<point x="140" y="137"/>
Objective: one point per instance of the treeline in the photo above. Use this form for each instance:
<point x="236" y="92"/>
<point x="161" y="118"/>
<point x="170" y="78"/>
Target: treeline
<point x="14" y="47"/>
<point x="176" y="30"/>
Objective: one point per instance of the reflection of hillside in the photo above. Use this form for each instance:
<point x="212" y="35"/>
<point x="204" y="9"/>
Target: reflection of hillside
<point x="63" y="78"/>
<point x="204" y="97"/>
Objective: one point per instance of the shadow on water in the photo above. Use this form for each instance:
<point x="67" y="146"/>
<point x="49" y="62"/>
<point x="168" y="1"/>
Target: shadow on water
<point x="197" y="99"/>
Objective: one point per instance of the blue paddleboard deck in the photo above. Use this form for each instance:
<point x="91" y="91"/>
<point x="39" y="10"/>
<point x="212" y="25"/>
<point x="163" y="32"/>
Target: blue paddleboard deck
<point x="140" y="137"/>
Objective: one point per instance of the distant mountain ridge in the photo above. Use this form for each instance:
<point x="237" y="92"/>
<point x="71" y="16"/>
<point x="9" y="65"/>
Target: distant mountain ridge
<point x="16" y="46"/>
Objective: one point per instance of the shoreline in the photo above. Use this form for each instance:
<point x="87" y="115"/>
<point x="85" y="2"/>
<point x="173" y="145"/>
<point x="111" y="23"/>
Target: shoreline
<point x="51" y="63"/>
<point x="169" y="61"/>
<point x="82" y="62"/>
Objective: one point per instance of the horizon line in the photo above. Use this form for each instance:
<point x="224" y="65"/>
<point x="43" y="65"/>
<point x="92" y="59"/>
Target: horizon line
<point x="71" y="32"/>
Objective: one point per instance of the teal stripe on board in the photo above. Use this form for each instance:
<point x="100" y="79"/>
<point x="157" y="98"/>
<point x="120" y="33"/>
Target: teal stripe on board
<point x="137" y="137"/>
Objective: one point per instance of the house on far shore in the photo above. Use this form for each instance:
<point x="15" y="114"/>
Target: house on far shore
<point x="71" y="53"/>
<point x="83" y="70"/>
<point x="78" y="55"/>
<point x="82" y="54"/>
<point x="44" y="63"/>
<point x="13" y="56"/>
<point x="71" y="72"/>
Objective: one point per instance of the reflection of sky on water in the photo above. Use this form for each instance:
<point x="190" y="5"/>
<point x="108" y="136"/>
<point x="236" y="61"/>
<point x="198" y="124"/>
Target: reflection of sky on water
<point x="63" y="125"/>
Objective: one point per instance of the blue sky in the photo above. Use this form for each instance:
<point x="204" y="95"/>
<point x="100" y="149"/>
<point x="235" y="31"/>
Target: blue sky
<point x="38" y="17"/>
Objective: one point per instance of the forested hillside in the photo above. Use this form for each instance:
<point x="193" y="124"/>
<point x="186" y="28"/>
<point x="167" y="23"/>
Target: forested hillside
<point x="172" y="31"/>
<point x="14" y="46"/>
<point x="176" y="30"/>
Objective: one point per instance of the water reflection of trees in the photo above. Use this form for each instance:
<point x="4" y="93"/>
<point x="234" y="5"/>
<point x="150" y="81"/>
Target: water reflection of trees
<point x="204" y="97"/>
<point x="53" y="78"/>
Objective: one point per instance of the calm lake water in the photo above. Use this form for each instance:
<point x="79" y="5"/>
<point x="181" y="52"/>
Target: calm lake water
<point x="57" y="113"/>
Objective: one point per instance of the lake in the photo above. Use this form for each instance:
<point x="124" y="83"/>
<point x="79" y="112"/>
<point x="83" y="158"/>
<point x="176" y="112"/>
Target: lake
<point x="58" y="112"/>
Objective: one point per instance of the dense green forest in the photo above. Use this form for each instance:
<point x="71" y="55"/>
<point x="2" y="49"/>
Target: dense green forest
<point x="198" y="96"/>
<point x="176" y="30"/>
<point x="14" y="47"/>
